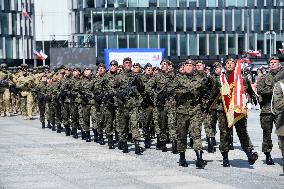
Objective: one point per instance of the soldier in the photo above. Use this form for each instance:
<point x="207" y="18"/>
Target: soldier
<point x="278" y="108"/>
<point x="240" y="125"/>
<point x="4" y="91"/>
<point x="265" y="86"/>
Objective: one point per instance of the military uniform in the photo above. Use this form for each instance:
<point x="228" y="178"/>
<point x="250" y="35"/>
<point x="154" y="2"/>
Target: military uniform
<point x="4" y="91"/>
<point x="41" y="100"/>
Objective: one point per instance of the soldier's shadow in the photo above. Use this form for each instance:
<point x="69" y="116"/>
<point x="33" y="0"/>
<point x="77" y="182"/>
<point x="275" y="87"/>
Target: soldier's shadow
<point x="240" y="163"/>
<point x="279" y="161"/>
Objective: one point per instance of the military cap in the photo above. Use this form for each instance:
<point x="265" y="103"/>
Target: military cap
<point x="87" y="68"/>
<point x="127" y="59"/>
<point x="120" y="66"/>
<point x="24" y="66"/>
<point x="167" y="61"/>
<point x="102" y="65"/>
<point x="156" y="68"/>
<point x="147" y="66"/>
<point x="181" y="64"/>
<point x="272" y="58"/>
<point x="77" y="69"/>
<point x="199" y="62"/>
<point x="30" y="69"/>
<point x="113" y="62"/>
<point x="137" y="64"/>
<point x="189" y="61"/>
<point x="19" y="67"/>
<point x="216" y="64"/>
<point x="3" y="65"/>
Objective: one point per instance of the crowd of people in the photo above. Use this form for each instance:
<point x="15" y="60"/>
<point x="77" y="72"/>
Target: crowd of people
<point x="130" y="104"/>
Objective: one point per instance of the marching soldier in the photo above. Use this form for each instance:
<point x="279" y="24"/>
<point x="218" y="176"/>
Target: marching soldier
<point x="4" y="91"/>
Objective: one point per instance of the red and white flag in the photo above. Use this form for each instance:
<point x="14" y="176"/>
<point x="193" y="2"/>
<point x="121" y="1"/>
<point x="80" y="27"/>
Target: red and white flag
<point x="25" y="14"/>
<point x="40" y="55"/>
<point x="253" y="53"/>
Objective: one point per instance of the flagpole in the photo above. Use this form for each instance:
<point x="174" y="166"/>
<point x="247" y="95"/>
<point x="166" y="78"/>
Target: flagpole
<point x="23" y="40"/>
<point x="43" y="62"/>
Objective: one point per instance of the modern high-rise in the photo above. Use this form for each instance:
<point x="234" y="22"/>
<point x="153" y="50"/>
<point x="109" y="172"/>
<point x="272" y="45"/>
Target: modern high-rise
<point x="12" y="32"/>
<point x="207" y="29"/>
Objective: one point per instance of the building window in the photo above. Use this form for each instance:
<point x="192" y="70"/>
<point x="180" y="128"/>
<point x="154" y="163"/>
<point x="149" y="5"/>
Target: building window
<point x="221" y="3"/>
<point x="100" y="3"/>
<point x="97" y="22"/>
<point x="189" y="20"/>
<point x="222" y="44"/>
<point x="183" y="46"/>
<point x="199" y="20"/>
<point x="153" y="41"/>
<point x="179" y="21"/>
<point x="77" y="22"/>
<point x="192" y="44"/>
<point x="266" y="19"/>
<point x="90" y="4"/>
<point x="252" y="41"/>
<point x="170" y="21"/>
<point x="192" y="3"/>
<point x="153" y="3"/>
<point x="7" y="4"/>
<point x="133" y="41"/>
<point x="202" y="3"/>
<point x="164" y="41"/>
<point x="14" y="24"/>
<point x="212" y="3"/>
<point x="269" y="3"/>
<point x="108" y="23"/>
<point x="122" y="41"/>
<point x="212" y="44"/>
<point x="129" y="21"/>
<point x="139" y="21"/>
<point x="132" y="3"/>
<point x="112" y="41"/>
<point x="250" y="3"/>
<point x="173" y="3"/>
<point x="160" y="21"/>
<point x="231" y="44"/>
<point x="257" y="19"/>
<point x="122" y="3"/>
<point x="110" y="3"/>
<point x="241" y="3"/>
<point x="230" y="3"/>
<point x="241" y="43"/>
<point x="163" y="3"/>
<point x="173" y="45"/>
<point x="208" y="20"/>
<point x="260" y="3"/>
<point x="260" y="42"/>
<point x="276" y="19"/>
<point x="149" y="21"/>
<point x="9" y="47"/>
<point x="118" y="17"/>
<point x="202" y="44"/>
<point x="218" y="20"/>
<point x="80" y="4"/>
<point x="279" y="2"/>
<point x="238" y="20"/>
<point x="87" y="22"/>
<point x="101" y="45"/>
<point x="143" y="3"/>
<point x="143" y="41"/>
<point x="182" y="3"/>
<point x="1" y="48"/>
<point x="228" y="20"/>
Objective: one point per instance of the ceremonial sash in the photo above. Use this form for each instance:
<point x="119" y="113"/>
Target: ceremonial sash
<point x="233" y="95"/>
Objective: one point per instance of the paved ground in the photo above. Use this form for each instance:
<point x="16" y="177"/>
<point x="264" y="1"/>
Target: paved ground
<point x="34" y="158"/>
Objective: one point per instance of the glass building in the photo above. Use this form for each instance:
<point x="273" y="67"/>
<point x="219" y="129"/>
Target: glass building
<point x="12" y="32"/>
<point x="206" y="29"/>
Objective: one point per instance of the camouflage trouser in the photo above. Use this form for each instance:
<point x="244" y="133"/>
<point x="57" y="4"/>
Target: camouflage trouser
<point x="281" y="141"/>
<point x="41" y="106"/>
<point x="27" y="101"/>
<point x="162" y="123"/>
<point x="74" y="115"/>
<point x="47" y="110"/>
<point x="128" y="119"/>
<point x="172" y="122"/>
<point x="156" y="120"/>
<point x="5" y="101"/>
<point x="15" y="103"/>
<point x="54" y="112"/>
<point x="84" y="116"/>
<point x="97" y="119"/>
<point x="147" y="119"/>
<point x="65" y="113"/>
<point x="241" y="129"/>
<point x="209" y="128"/>
<point x="186" y="122"/>
<point x="107" y="118"/>
<point x="266" y="122"/>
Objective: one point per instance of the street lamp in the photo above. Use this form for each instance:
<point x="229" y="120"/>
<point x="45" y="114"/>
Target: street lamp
<point x="270" y="38"/>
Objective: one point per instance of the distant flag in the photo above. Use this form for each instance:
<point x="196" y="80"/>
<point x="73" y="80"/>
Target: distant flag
<point x="253" y="53"/>
<point x="40" y="55"/>
<point x="25" y="14"/>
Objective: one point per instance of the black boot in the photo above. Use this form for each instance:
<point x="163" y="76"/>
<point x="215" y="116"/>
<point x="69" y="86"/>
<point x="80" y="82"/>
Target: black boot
<point x="129" y="137"/>
<point x="252" y="156"/>
<point x="95" y="135"/>
<point x="83" y="135"/>
<point x="226" y="162"/>
<point x="174" y="147"/>
<point x="59" y="128"/>
<point x="67" y="130"/>
<point x="138" y="149"/>
<point x="88" y="136"/>
<point x="125" y="147"/>
<point x="116" y="137"/>
<point x="110" y="142"/>
<point x="101" y="139"/>
<point x="164" y="146"/>
<point x="48" y="125"/>
<point x="214" y="141"/>
<point x="182" y="160"/>
<point x="42" y="125"/>
<point x="53" y="128"/>
<point x="158" y="145"/>
<point x="269" y="160"/>
<point x="75" y="134"/>
<point x="231" y="146"/>
<point x="211" y="148"/>
<point x="147" y="143"/>
<point x="200" y="163"/>
<point x="152" y="132"/>
<point x="120" y="145"/>
<point x="190" y="142"/>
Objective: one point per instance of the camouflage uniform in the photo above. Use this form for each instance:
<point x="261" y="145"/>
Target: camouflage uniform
<point x="4" y="92"/>
<point x="41" y="100"/>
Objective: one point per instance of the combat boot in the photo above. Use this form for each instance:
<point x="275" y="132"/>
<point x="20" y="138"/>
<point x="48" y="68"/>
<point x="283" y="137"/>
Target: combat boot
<point x="48" y="125"/>
<point x="110" y="142"/>
<point x="164" y="146"/>
<point x="88" y="136"/>
<point x="252" y="156"/>
<point x="226" y="162"/>
<point x="211" y="148"/>
<point x="129" y="137"/>
<point x="269" y="160"/>
<point x="152" y="132"/>
<point x="83" y="135"/>
<point x="67" y="130"/>
<point x="182" y="160"/>
<point x="191" y="142"/>
<point x="53" y="128"/>
<point x="101" y="139"/>
<point x="120" y="145"/>
<point x="147" y="143"/>
<point x="138" y="149"/>
<point x="125" y="147"/>
<point x="158" y="145"/>
<point x="75" y="134"/>
<point x="174" y="147"/>
<point x="59" y="128"/>
<point x="116" y="137"/>
<point x="200" y="163"/>
<point x="42" y="125"/>
<point x="95" y="135"/>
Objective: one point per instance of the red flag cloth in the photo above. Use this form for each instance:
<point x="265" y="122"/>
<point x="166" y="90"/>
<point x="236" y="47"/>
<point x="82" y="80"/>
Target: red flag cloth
<point x="40" y="55"/>
<point x="233" y="95"/>
<point x="24" y="13"/>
